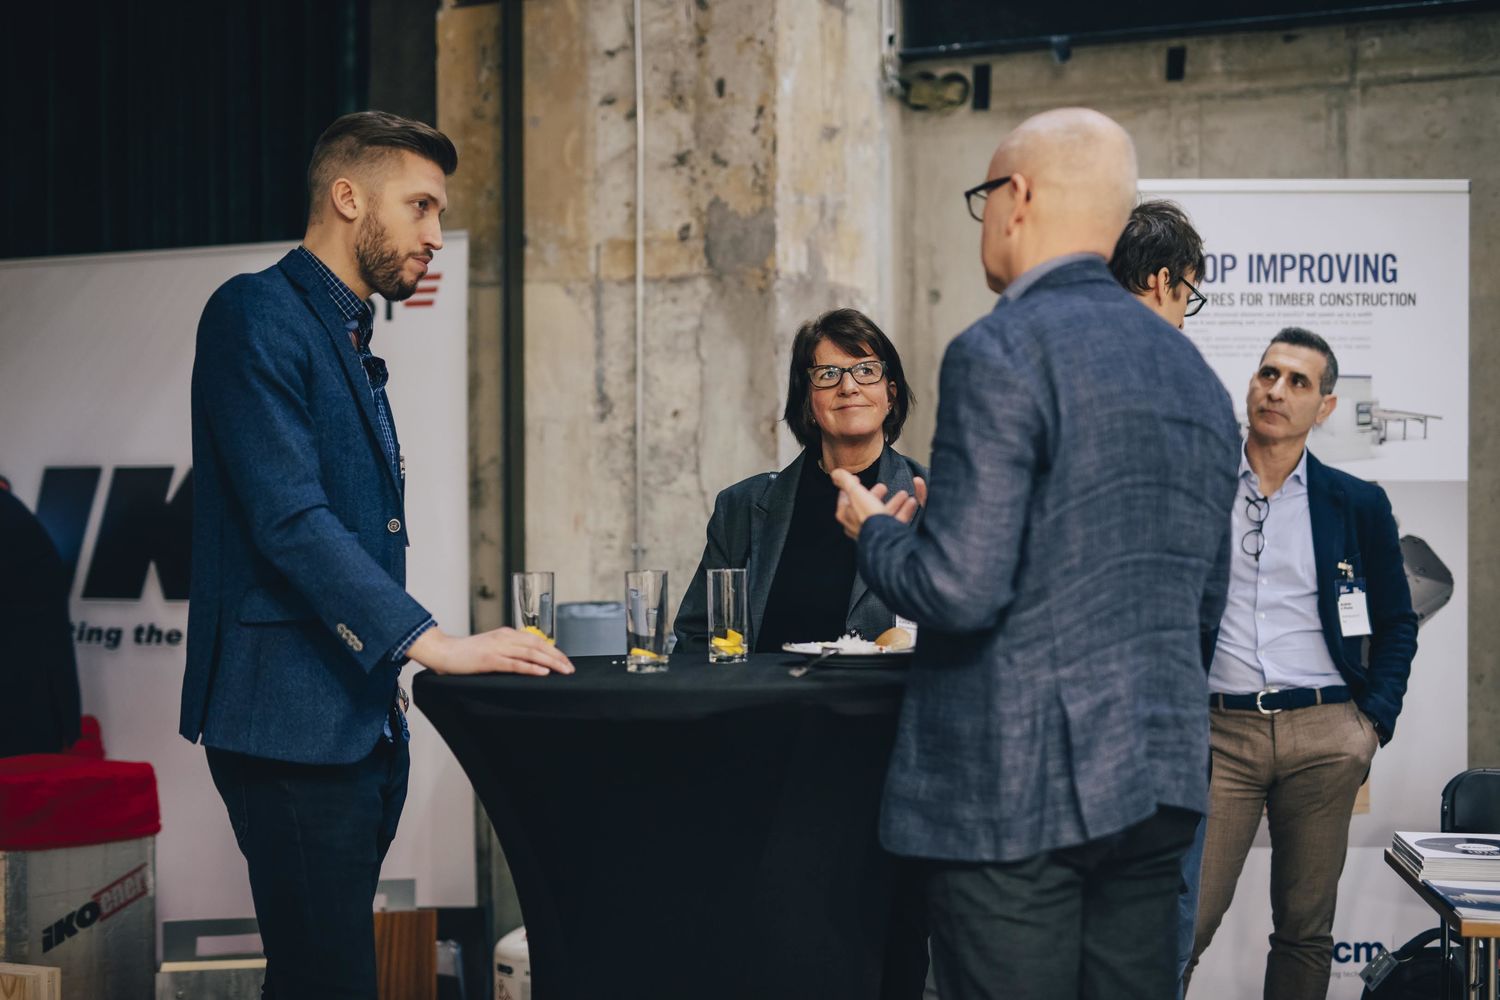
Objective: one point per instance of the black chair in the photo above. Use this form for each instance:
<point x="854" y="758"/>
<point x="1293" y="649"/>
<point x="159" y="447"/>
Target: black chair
<point x="1471" y="802"/>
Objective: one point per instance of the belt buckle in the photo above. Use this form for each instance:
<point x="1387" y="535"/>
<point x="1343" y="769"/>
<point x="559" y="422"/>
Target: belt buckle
<point x="1261" y="708"/>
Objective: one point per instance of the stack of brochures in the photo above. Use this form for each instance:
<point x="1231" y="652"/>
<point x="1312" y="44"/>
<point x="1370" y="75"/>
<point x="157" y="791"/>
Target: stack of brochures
<point x="1471" y="900"/>
<point x="1452" y="857"/>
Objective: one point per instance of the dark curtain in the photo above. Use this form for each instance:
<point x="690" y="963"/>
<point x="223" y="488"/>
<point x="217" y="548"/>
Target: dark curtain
<point x="136" y="125"/>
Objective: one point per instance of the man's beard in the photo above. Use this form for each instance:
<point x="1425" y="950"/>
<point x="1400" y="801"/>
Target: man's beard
<point x="380" y="263"/>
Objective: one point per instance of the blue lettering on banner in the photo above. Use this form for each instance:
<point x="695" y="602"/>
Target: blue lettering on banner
<point x="141" y="526"/>
<point x="1311" y="269"/>
<point x="1357" y="952"/>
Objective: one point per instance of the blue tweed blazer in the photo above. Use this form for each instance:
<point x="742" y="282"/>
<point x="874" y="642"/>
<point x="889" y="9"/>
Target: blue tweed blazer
<point x="299" y="531"/>
<point x="1072" y="558"/>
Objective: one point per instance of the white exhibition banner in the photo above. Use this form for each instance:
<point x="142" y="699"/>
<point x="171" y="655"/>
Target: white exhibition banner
<point x="1381" y="270"/>
<point x="96" y="353"/>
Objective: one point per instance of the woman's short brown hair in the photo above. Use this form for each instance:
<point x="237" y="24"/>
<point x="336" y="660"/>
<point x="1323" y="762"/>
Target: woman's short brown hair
<point x="854" y="333"/>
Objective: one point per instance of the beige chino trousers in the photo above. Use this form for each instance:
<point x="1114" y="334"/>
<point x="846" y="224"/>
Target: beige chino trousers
<point x="1303" y="768"/>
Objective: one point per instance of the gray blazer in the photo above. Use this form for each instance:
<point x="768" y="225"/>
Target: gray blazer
<point x="1073" y="552"/>
<point x="748" y="528"/>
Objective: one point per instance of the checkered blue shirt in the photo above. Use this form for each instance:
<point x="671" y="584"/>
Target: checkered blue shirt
<point x="359" y="320"/>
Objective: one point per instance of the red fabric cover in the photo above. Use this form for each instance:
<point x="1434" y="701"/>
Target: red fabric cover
<point x="51" y="800"/>
<point x="90" y="741"/>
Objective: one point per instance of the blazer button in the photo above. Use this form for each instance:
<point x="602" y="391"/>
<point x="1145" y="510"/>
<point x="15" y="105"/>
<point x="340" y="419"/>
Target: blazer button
<point x="393" y="526"/>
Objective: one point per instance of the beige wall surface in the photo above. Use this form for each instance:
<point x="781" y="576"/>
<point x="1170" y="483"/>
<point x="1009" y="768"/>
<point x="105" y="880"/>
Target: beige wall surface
<point x="767" y="201"/>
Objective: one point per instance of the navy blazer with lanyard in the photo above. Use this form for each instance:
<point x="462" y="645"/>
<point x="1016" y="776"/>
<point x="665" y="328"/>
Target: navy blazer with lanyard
<point x="299" y="530"/>
<point x="1352" y="523"/>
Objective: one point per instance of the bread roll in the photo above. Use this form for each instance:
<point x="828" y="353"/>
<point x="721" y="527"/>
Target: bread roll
<point x="894" y="638"/>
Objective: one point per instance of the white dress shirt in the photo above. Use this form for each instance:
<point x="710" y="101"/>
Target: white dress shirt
<point x="1271" y="635"/>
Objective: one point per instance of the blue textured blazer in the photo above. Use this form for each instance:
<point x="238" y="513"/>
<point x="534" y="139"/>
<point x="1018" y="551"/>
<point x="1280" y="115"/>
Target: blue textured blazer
<point x="1073" y="553"/>
<point x="299" y="531"/>
<point x="1352" y="522"/>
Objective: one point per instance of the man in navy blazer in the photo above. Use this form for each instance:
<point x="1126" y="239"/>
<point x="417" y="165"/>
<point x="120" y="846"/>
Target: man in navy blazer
<point x="299" y="622"/>
<point x="1052" y="753"/>
<point x="1309" y="668"/>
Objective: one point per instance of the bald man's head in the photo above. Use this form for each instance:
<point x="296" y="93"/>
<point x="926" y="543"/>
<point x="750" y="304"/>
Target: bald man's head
<point x="1072" y="185"/>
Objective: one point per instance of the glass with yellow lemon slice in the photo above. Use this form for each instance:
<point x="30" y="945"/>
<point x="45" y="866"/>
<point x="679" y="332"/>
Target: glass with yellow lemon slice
<point x="727" y="616"/>
<point x="531" y="605"/>
<point x="646" y="621"/>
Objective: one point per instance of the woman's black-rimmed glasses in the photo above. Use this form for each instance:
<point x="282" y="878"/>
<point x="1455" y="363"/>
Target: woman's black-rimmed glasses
<point x="1253" y="542"/>
<point x="828" y="376"/>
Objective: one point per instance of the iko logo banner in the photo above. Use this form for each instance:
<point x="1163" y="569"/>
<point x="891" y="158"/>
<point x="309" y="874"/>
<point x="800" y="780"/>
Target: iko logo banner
<point x="104" y="904"/>
<point x="141" y="526"/>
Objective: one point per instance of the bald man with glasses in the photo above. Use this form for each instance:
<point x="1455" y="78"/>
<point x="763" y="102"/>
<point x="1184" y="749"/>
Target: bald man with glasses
<point x="1051" y="758"/>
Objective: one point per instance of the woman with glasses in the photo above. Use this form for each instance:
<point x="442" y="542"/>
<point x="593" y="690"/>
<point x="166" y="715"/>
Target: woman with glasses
<point x="847" y="398"/>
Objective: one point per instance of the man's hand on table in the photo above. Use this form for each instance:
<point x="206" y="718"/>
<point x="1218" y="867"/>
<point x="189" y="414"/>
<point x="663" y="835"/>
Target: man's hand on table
<point x="501" y="651"/>
<point x="857" y="504"/>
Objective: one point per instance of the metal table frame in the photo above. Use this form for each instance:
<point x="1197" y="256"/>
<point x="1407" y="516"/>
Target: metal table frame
<point x="1474" y="934"/>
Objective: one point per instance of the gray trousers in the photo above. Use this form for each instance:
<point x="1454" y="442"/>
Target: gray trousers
<point x="1303" y="767"/>
<point x="1096" y="922"/>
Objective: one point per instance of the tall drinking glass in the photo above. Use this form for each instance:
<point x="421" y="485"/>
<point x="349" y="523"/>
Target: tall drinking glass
<point x="532" y="607"/>
<point x="727" y="616"/>
<point x="646" y="621"/>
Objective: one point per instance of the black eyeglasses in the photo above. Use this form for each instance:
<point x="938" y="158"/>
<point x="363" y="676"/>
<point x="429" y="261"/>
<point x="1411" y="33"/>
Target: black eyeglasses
<point x="976" y="195"/>
<point x="1253" y="542"/>
<point x="1196" y="299"/>
<point x="828" y="376"/>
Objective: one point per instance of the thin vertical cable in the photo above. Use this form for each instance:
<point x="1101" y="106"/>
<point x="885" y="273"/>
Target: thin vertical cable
<point x="637" y="548"/>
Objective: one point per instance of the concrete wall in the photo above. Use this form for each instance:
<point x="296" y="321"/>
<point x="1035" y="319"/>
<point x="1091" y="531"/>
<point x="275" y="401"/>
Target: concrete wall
<point x="767" y="200"/>
<point x="1407" y="98"/>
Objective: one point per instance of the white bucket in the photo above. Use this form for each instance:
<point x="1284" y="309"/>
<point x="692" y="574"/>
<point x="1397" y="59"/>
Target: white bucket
<point x="513" y="967"/>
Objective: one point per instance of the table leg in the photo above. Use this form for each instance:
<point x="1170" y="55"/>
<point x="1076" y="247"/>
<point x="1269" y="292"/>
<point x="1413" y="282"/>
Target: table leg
<point x="1471" y="978"/>
<point x="1492" y="981"/>
<point x="1447" y="962"/>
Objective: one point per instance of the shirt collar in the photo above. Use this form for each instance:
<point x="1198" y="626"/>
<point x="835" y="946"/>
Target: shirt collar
<point x="350" y="306"/>
<point x="1031" y="276"/>
<point x="1247" y="473"/>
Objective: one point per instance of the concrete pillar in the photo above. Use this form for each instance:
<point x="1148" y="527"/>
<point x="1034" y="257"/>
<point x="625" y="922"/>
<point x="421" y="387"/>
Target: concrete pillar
<point x="767" y="201"/>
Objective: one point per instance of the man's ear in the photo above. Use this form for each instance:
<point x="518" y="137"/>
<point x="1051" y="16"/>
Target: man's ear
<point x="1325" y="408"/>
<point x="1161" y="284"/>
<point x="1021" y="203"/>
<point x="346" y="198"/>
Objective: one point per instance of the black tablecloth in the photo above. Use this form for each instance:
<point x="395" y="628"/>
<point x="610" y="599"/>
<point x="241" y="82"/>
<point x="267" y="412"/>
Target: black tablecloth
<point x="704" y="833"/>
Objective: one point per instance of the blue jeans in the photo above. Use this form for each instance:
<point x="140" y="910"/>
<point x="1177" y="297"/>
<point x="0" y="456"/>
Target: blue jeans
<point x="1187" y="902"/>
<point x="314" y="837"/>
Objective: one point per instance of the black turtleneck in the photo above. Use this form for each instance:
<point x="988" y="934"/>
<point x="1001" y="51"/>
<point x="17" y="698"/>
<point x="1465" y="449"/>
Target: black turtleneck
<point x="809" y="599"/>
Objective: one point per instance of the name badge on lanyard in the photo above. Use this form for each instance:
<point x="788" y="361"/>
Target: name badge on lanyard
<point x="1354" y="610"/>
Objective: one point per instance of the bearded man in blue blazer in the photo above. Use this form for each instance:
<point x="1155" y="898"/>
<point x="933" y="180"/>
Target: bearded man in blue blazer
<point x="299" y="621"/>
<point x="1051" y="760"/>
<point x="1309" y="668"/>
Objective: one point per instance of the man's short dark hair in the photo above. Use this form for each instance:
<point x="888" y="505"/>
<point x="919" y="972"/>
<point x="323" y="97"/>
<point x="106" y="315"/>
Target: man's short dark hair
<point x="365" y="136"/>
<point x="1157" y="235"/>
<point x="852" y="332"/>
<point x="1298" y="337"/>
